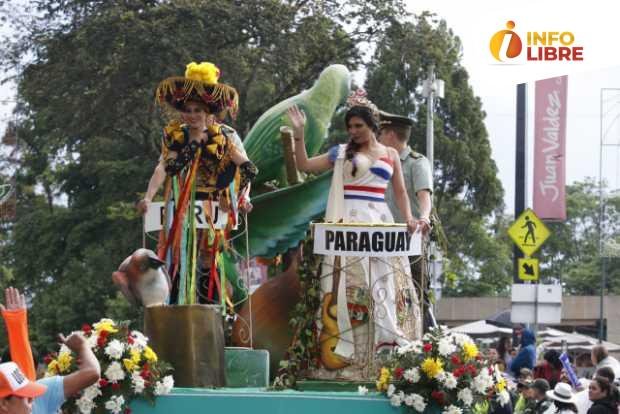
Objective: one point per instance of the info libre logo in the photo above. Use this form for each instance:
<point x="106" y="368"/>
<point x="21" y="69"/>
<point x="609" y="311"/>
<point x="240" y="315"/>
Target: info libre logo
<point x="507" y="46"/>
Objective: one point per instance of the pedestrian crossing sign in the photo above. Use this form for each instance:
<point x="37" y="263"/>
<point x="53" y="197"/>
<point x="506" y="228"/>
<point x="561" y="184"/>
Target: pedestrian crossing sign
<point x="528" y="232"/>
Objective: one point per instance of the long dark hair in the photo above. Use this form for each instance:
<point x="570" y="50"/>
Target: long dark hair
<point x="369" y="119"/>
<point x="561" y="406"/>
<point x="502" y="347"/>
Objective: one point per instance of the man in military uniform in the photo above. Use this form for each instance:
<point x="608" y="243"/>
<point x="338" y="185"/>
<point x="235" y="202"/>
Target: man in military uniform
<point x="394" y="131"/>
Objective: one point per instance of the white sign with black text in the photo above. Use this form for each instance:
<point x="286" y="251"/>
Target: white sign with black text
<point x="366" y="240"/>
<point x="154" y="217"/>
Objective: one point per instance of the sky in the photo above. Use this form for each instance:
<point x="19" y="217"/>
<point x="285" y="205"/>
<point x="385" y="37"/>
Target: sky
<point x="475" y="22"/>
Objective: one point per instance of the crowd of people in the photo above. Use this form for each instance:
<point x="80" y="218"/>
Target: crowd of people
<point x="542" y="386"/>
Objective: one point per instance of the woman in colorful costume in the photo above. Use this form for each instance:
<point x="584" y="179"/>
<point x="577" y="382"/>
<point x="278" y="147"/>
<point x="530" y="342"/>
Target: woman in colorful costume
<point x="362" y="169"/>
<point x="201" y="160"/>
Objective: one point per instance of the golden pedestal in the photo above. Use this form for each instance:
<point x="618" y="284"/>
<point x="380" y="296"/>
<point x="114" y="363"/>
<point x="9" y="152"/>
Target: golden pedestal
<point x="191" y="338"/>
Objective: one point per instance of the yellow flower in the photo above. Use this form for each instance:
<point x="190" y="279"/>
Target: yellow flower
<point x="432" y="367"/>
<point x="206" y="72"/>
<point x="135" y="356"/>
<point x="129" y="364"/>
<point x="52" y="367"/>
<point x="501" y="385"/>
<point x="470" y="350"/>
<point x="64" y="361"/>
<point x="105" y="325"/>
<point x="384" y="379"/>
<point x="150" y="355"/>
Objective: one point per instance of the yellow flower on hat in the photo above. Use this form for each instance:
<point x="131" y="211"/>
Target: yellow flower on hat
<point x="205" y="72"/>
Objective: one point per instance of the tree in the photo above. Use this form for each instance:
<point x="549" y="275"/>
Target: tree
<point x="571" y="255"/>
<point x="468" y="194"/>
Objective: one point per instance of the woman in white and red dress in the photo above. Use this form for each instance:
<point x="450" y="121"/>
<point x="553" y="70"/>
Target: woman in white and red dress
<point x="362" y="169"/>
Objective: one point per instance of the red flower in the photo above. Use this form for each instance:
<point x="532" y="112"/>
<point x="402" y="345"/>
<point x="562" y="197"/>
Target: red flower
<point x="471" y="369"/>
<point x="130" y="340"/>
<point x="86" y="328"/>
<point x="459" y="372"/>
<point x="127" y="410"/>
<point x="103" y="336"/>
<point x="438" y="396"/>
<point x="103" y="382"/>
<point x="48" y="358"/>
<point x="427" y="347"/>
<point x="456" y="360"/>
<point x="398" y="373"/>
<point x="116" y="386"/>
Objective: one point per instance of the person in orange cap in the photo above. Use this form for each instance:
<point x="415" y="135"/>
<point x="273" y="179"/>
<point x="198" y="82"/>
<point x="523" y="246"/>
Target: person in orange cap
<point x="16" y="391"/>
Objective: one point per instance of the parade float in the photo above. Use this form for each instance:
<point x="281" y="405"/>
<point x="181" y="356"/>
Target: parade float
<point x="271" y="349"/>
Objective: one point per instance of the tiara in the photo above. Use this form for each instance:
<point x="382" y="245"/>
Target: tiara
<point x="359" y="98"/>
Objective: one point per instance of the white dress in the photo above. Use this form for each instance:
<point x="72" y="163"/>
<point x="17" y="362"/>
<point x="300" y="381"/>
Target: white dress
<point x="394" y="311"/>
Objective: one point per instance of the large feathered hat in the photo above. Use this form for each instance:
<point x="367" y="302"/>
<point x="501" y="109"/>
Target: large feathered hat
<point x="200" y="84"/>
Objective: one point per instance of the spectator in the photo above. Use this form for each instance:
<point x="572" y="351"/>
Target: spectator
<point x="504" y="347"/>
<point x="16" y="391"/>
<point x="550" y="368"/>
<point x="540" y="387"/>
<point x="601" y="392"/>
<point x="524" y="400"/>
<point x="58" y="387"/>
<point x="526" y="358"/>
<point x="563" y="399"/>
<point x="601" y="358"/>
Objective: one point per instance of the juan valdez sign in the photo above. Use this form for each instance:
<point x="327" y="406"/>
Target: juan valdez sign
<point x="550" y="148"/>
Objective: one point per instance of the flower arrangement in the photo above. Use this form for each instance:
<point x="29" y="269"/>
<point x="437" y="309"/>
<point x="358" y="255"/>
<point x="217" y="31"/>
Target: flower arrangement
<point x="446" y="371"/>
<point x="129" y="369"/>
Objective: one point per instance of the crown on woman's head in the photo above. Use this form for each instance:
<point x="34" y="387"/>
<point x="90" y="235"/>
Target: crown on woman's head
<point x="359" y="98"/>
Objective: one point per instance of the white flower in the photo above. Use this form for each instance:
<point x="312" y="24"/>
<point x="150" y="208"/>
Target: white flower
<point x="85" y="405"/>
<point x="164" y="386"/>
<point x="115" y="404"/>
<point x="91" y="392"/>
<point x="449" y="381"/>
<point x="466" y="396"/>
<point x="504" y="397"/>
<point x="414" y="346"/>
<point x="115" y="349"/>
<point x="446" y="347"/>
<point x="396" y="400"/>
<point x="418" y="403"/>
<point x="115" y="372"/>
<point x="168" y="383"/>
<point x="361" y="390"/>
<point x="482" y="382"/>
<point x="137" y="383"/>
<point x="453" y="409"/>
<point x="139" y="340"/>
<point x="460" y="338"/>
<point x="391" y="389"/>
<point x="408" y="400"/>
<point x="412" y="375"/>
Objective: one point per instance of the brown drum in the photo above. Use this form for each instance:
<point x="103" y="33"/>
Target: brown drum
<point x="191" y="338"/>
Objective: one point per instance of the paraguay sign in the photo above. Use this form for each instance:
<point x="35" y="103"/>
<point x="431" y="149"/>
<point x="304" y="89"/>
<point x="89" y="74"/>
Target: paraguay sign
<point x="365" y="240"/>
<point x="528" y="232"/>
<point x="154" y="217"/>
